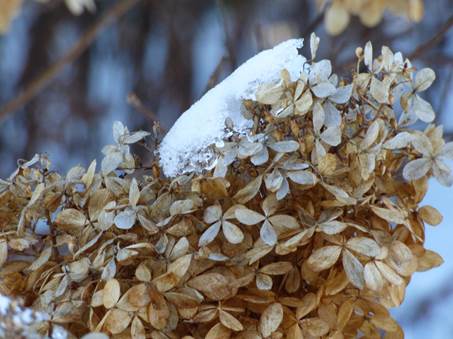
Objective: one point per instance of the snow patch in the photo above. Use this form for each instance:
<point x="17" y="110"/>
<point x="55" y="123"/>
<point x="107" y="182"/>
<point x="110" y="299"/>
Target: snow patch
<point x="185" y="148"/>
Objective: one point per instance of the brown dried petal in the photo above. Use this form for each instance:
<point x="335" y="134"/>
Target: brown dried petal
<point x="214" y="285"/>
<point x="309" y="303"/>
<point x="71" y="220"/>
<point x="112" y="293"/>
<point x="248" y="192"/>
<point x="271" y="318"/>
<point x="315" y="327"/>
<point x="324" y="258"/>
<point x="229" y="321"/>
<point x="218" y="331"/>
<point x="429" y="260"/>
<point x="3" y="252"/>
<point x="158" y="311"/>
<point x="277" y="268"/>
<point x="116" y="321"/>
<point x="364" y="246"/>
<point x="373" y="277"/>
<point x="430" y="215"/>
<point x="354" y="269"/>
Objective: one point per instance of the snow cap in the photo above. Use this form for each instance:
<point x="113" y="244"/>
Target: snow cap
<point x="185" y="148"/>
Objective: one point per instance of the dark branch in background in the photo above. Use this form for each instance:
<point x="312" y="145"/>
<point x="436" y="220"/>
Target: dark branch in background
<point x="228" y="40"/>
<point x="214" y="78"/>
<point x="444" y="94"/>
<point x="39" y="83"/>
<point x="425" y="306"/>
<point x="313" y="25"/>
<point x="420" y="50"/>
<point x="426" y="46"/>
<point x="137" y="104"/>
<point x="448" y="137"/>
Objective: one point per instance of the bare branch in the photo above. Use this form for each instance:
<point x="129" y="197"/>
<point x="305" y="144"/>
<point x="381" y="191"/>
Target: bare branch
<point x="137" y="104"/>
<point x="426" y="46"/>
<point x="214" y="78"/>
<point x="40" y="82"/>
<point x="313" y="25"/>
<point x="448" y="136"/>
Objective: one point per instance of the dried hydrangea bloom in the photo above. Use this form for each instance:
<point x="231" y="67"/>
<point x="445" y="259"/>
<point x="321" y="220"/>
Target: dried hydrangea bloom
<point x="370" y="12"/>
<point x="77" y="7"/>
<point x="10" y="8"/>
<point x="308" y="224"/>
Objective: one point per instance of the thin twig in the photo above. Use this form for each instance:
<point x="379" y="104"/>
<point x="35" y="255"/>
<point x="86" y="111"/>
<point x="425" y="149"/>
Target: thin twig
<point x="420" y="49"/>
<point x="228" y="40"/>
<point x="214" y="78"/>
<point x="444" y="96"/>
<point x="426" y="46"/>
<point x="313" y="25"/>
<point x="40" y="82"/>
<point x="138" y="105"/>
<point x="448" y="136"/>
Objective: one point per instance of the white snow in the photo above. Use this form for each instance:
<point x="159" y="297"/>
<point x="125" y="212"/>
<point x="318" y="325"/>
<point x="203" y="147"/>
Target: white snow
<point x="4" y="304"/>
<point x="185" y="147"/>
<point x="15" y="317"/>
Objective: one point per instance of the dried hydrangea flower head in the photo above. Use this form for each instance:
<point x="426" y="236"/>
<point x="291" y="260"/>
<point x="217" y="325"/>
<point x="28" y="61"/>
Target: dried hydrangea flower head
<point x="10" y="8"/>
<point x="370" y="12"/>
<point x="308" y="224"/>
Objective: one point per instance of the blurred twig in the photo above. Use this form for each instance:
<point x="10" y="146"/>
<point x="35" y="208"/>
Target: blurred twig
<point x="313" y="25"/>
<point x="214" y="78"/>
<point x="427" y="304"/>
<point x="445" y="89"/>
<point x="419" y="50"/>
<point x="426" y="46"/>
<point x="228" y="40"/>
<point x="134" y="101"/>
<point x="448" y="136"/>
<point x="39" y="83"/>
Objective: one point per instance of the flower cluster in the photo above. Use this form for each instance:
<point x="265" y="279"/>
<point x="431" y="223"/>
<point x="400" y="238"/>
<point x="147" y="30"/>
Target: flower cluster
<point x="10" y="8"/>
<point x="370" y="12"/>
<point x="307" y="226"/>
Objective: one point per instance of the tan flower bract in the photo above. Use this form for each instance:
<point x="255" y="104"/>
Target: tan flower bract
<point x="310" y="225"/>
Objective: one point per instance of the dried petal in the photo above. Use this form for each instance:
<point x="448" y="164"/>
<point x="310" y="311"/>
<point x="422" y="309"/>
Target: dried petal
<point x="324" y="258"/>
<point x="271" y="319"/>
<point x="354" y="269"/>
<point x="430" y="215"/>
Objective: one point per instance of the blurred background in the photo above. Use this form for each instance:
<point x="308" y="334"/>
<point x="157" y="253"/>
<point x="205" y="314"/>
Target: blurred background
<point x="68" y="69"/>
